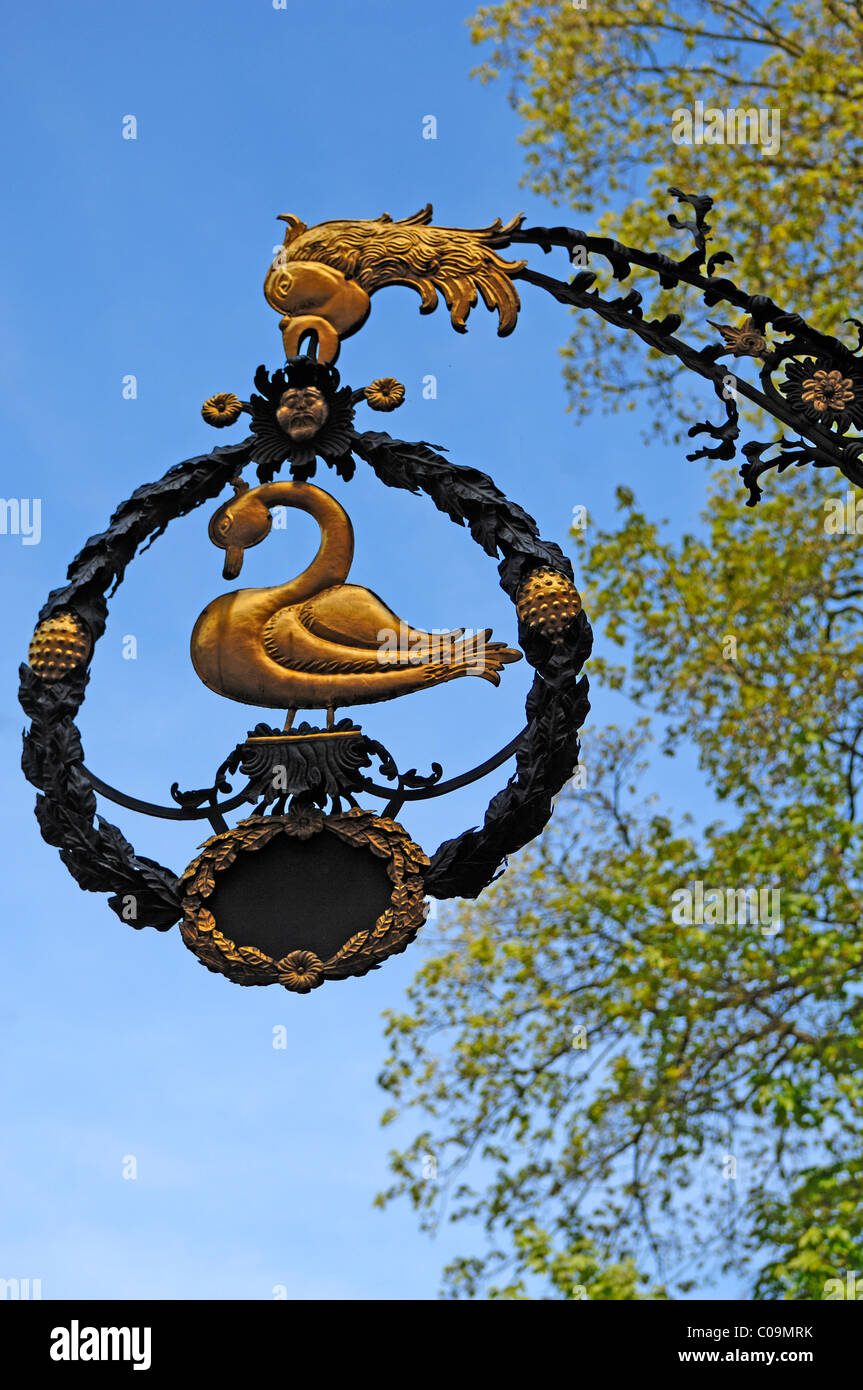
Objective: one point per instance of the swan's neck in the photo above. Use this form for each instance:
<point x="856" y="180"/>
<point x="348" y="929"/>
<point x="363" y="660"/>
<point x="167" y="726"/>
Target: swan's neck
<point x="336" y="551"/>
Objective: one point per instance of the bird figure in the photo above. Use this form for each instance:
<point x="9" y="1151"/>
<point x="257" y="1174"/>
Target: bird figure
<point x="322" y="276"/>
<point x="317" y="642"/>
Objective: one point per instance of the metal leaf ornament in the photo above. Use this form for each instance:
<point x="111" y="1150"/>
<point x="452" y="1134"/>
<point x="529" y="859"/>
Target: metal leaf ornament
<point x="743" y="341"/>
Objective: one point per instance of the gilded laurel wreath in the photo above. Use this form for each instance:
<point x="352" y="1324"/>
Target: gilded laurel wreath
<point x="301" y="970"/>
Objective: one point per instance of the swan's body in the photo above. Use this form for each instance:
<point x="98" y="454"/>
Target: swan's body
<point x="317" y="642"/>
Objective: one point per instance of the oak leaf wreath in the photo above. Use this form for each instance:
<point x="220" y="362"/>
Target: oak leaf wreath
<point x="98" y="855"/>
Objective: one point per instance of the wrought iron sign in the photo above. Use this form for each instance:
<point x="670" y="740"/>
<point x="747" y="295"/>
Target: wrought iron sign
<point x="314" y="884"/>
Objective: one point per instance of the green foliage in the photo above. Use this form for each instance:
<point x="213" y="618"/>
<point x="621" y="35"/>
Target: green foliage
<point x="596" y="89"/>
<point x="589" y="1070"/>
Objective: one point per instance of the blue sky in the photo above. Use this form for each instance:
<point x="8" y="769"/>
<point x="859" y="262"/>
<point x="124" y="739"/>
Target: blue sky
<point x="256" y="1167"/>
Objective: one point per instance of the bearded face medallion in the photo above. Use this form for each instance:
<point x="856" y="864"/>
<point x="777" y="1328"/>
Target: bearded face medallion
<point x="302" y="411"/>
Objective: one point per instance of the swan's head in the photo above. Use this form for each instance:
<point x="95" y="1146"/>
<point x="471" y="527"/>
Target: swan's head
<point x="237" y="525"/>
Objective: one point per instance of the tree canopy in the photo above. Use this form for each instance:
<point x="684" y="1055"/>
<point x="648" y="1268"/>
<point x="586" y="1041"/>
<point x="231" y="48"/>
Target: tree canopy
<point x="597" y="87"/>
<point x="628" y="1099"/>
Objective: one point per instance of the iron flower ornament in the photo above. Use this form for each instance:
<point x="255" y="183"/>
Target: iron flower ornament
<point x="824" y="393"/>
<point x="222" y="410"/>
<point x="299" y="416"/>
<point x="385" y="393"/>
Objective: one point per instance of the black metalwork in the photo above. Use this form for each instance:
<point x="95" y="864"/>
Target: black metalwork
<point x="307" y="764"/>
<point x="98" y="855"/>
<point x="819" y="398"/>
<point x="823" y="442"/>
<point x="273" y="447"/>
<point x="203" y="804"/>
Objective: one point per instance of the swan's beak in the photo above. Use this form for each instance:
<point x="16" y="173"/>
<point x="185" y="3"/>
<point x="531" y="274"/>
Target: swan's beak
<point x="233" y="562"/>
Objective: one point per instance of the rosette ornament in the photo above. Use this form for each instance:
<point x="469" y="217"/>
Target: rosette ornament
<point x="824" y="393"/>
<point x="222" y="409"/>
<point x="385" y="393"/>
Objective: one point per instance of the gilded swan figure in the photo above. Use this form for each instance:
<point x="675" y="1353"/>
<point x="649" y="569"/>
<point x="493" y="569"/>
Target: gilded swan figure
<point x="317" y="642"/>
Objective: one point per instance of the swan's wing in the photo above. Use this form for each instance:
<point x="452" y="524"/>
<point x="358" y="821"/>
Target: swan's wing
<point x="307" y="638"/>
<point x="292" y="645"/>
<point x="353" y="616"/>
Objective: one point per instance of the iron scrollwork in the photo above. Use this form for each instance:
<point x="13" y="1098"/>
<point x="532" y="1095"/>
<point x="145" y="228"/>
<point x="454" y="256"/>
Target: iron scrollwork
<point x="820" y="396"/>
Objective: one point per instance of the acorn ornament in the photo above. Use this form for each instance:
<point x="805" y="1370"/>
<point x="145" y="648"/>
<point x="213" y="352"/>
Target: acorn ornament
<point x="59" y="645"/>
<point x="548" y="602"/>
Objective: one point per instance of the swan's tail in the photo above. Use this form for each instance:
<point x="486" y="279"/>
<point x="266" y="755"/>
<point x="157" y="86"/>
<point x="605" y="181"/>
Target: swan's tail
<point x="475" y="655"/>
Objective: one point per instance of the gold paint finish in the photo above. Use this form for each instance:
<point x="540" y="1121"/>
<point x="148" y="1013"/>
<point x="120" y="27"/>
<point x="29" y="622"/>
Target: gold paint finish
<point x="317" y="642"/>
<point x="827" y="391"/>
<point x="302" y="411"/>
<point x="221" y="410"/>
<point x="743" y="341"/>
<point x="547" y="602"/>
<point x="301" y="971"/>
<point x="322" y="277"/>
<point x="59" y="645"/>
<point x="385" y="393"/>
<point x="286" y="736"/>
